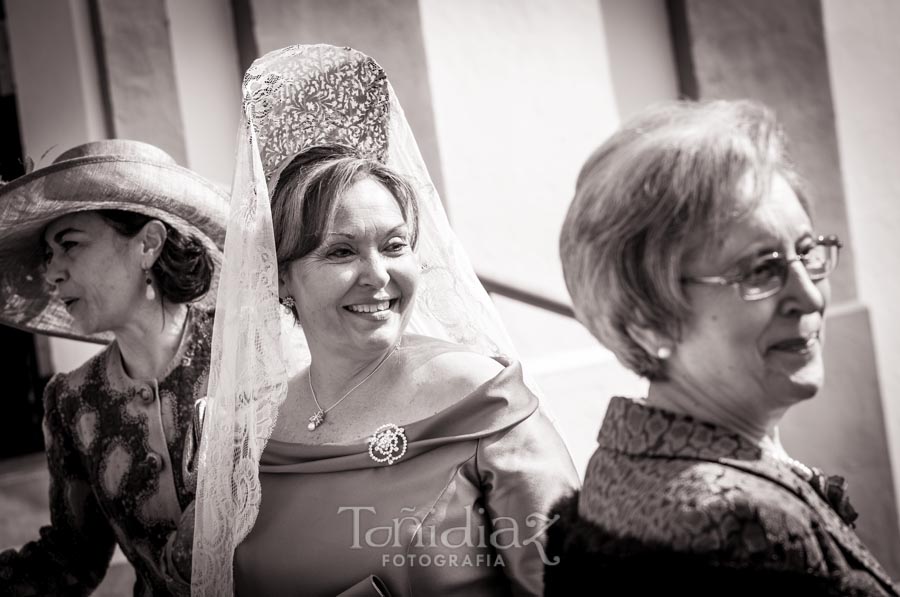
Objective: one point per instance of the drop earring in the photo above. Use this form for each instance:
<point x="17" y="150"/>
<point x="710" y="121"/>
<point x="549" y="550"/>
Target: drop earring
<point x="288" y="303"/>
<point x="149" y="292"/>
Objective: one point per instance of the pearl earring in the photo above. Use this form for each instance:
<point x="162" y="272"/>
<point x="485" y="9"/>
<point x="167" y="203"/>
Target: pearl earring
<point x="664" y="352"/>
<point x="149" y="292"/>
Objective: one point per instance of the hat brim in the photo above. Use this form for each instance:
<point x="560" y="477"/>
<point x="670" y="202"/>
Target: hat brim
<point x="175" y="195"/>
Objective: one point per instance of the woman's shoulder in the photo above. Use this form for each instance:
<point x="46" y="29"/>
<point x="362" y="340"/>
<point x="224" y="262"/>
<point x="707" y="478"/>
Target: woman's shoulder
<point x="77" y="377"/>
<point x="721" y="542"/>
<point x="581" y="553"/>
<point x="710" y="505"/>
<point x="201" y="327"/>
<point x="433" y="359"/>
<point x="203" y="317"/>
<point x="771" y="516"/>
<point x="65" y="386"/>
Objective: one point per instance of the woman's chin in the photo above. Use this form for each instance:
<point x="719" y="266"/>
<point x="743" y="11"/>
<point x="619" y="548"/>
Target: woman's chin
<point x="805" y="391"/>
<point x="800" y="386"/>
<point x="81" y="327"/>
<point x="798" y="383"/>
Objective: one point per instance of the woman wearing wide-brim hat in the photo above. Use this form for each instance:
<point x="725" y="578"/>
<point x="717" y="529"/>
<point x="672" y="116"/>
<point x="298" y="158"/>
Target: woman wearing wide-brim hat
<point x="113" y="242"/>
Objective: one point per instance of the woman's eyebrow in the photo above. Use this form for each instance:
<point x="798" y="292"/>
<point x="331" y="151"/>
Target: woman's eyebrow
<point x="58" y="236"/>
<point x="394" y="230"/>
<point x="804" y="237"/>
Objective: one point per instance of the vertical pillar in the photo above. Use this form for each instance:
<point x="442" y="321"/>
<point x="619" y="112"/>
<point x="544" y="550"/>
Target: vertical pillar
<point x="774" y="52"/>
<point x="138" y="73"/>
<point x="208" y="79"/>
<point x="56" y="78"/>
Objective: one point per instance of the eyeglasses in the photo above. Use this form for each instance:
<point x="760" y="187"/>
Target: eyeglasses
<point x="765" y="275"/>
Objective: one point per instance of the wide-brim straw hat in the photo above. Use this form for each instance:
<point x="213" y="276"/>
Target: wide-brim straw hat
<point x="112" y="174"/>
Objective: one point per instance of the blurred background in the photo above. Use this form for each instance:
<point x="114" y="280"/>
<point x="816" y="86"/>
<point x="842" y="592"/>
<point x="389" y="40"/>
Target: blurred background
<point x="506" y="99"/>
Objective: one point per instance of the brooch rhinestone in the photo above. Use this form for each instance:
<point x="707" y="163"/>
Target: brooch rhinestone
<point x="387" y="444"/>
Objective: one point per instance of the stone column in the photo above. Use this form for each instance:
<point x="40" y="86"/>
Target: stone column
<point x="137" y="73"/>
<point x="56" y="79"/>
<point x="774" y="51"/>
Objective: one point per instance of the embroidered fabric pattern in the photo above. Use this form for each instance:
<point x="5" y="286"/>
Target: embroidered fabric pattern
<point x="107" y="480"/>
<point x="661" y="478"/>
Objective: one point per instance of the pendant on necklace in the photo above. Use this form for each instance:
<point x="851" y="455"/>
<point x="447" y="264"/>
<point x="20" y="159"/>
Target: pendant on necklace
<point x="316" y="420"/>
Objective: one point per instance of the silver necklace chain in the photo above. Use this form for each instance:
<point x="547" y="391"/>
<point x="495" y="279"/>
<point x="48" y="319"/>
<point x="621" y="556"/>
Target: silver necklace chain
<point x="319" y="417"/>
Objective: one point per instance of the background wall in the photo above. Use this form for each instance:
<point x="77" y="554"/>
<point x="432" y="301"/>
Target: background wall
<point x="863" y="47"/>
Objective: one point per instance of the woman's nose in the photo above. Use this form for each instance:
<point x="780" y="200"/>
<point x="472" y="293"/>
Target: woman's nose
<point x="374" y="272"/>
<point x="54" y="273"/>
<point x="801" y="293"/>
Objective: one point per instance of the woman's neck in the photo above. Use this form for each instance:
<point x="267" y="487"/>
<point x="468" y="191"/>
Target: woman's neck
<point x="332" y="375"/>
<point x="148" y="343"/>
<point x="755" y="425"/>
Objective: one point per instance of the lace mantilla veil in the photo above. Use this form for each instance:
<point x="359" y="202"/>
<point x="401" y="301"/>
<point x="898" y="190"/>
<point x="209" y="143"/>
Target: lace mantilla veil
<point x="293" y="99"/>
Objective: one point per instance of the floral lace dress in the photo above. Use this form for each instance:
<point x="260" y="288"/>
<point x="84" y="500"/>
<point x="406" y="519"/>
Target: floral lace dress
<point x="114" y="450"/>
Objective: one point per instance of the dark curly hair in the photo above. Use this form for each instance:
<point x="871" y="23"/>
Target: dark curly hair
<point x="184" y="269"/>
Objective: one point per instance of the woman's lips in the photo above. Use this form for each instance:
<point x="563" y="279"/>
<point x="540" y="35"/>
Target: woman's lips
<point x="377" y="310"/>
<point x="373" y="307"/>
<point x="797" y="344"/>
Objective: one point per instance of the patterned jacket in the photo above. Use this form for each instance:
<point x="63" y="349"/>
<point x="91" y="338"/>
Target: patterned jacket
<point x="672" y="505"/>
<point x="114" y="450"/>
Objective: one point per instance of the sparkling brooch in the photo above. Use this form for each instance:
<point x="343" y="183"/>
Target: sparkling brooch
<point x="387" y="444"/>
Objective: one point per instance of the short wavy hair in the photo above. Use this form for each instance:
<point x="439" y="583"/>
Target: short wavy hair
<point x="308" y="191"/>
<point x="661" y="188"/>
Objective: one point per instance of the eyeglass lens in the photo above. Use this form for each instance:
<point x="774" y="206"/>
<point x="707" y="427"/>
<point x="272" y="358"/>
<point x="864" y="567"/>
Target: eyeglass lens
<point x="767" y="276"/>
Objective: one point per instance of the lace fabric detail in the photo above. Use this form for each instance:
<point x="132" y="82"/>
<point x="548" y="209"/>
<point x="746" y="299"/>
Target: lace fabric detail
<point x="247" y="378"/>
<point x="330" y="95"/>
<point x="293" y="99"/>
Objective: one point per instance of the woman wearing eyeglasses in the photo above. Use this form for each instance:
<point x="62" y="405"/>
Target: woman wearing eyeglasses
<point x="690" y="253"/>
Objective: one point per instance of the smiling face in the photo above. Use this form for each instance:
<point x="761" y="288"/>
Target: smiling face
<point x="355" y="292"/>
<point x="96" y="271"/>
<point x="755" y="357"/>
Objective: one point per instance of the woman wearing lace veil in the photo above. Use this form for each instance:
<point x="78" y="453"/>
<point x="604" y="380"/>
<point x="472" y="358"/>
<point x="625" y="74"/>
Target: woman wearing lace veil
<point x="400" y="449"/>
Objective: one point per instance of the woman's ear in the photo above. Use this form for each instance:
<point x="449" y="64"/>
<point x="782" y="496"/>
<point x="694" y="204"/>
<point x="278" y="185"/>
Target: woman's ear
<point x="283" y="280"/>
<point x="653" y="342"/>
<point x="152" y="238"/>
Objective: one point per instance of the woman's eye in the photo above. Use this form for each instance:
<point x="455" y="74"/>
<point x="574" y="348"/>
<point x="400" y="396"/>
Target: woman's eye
<point x="762" y="270"/>
<point x="396" y="246"/>
<point x="65" y="246"/>
<point x="806" y="249"/>
<point x="339" y="252"/>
